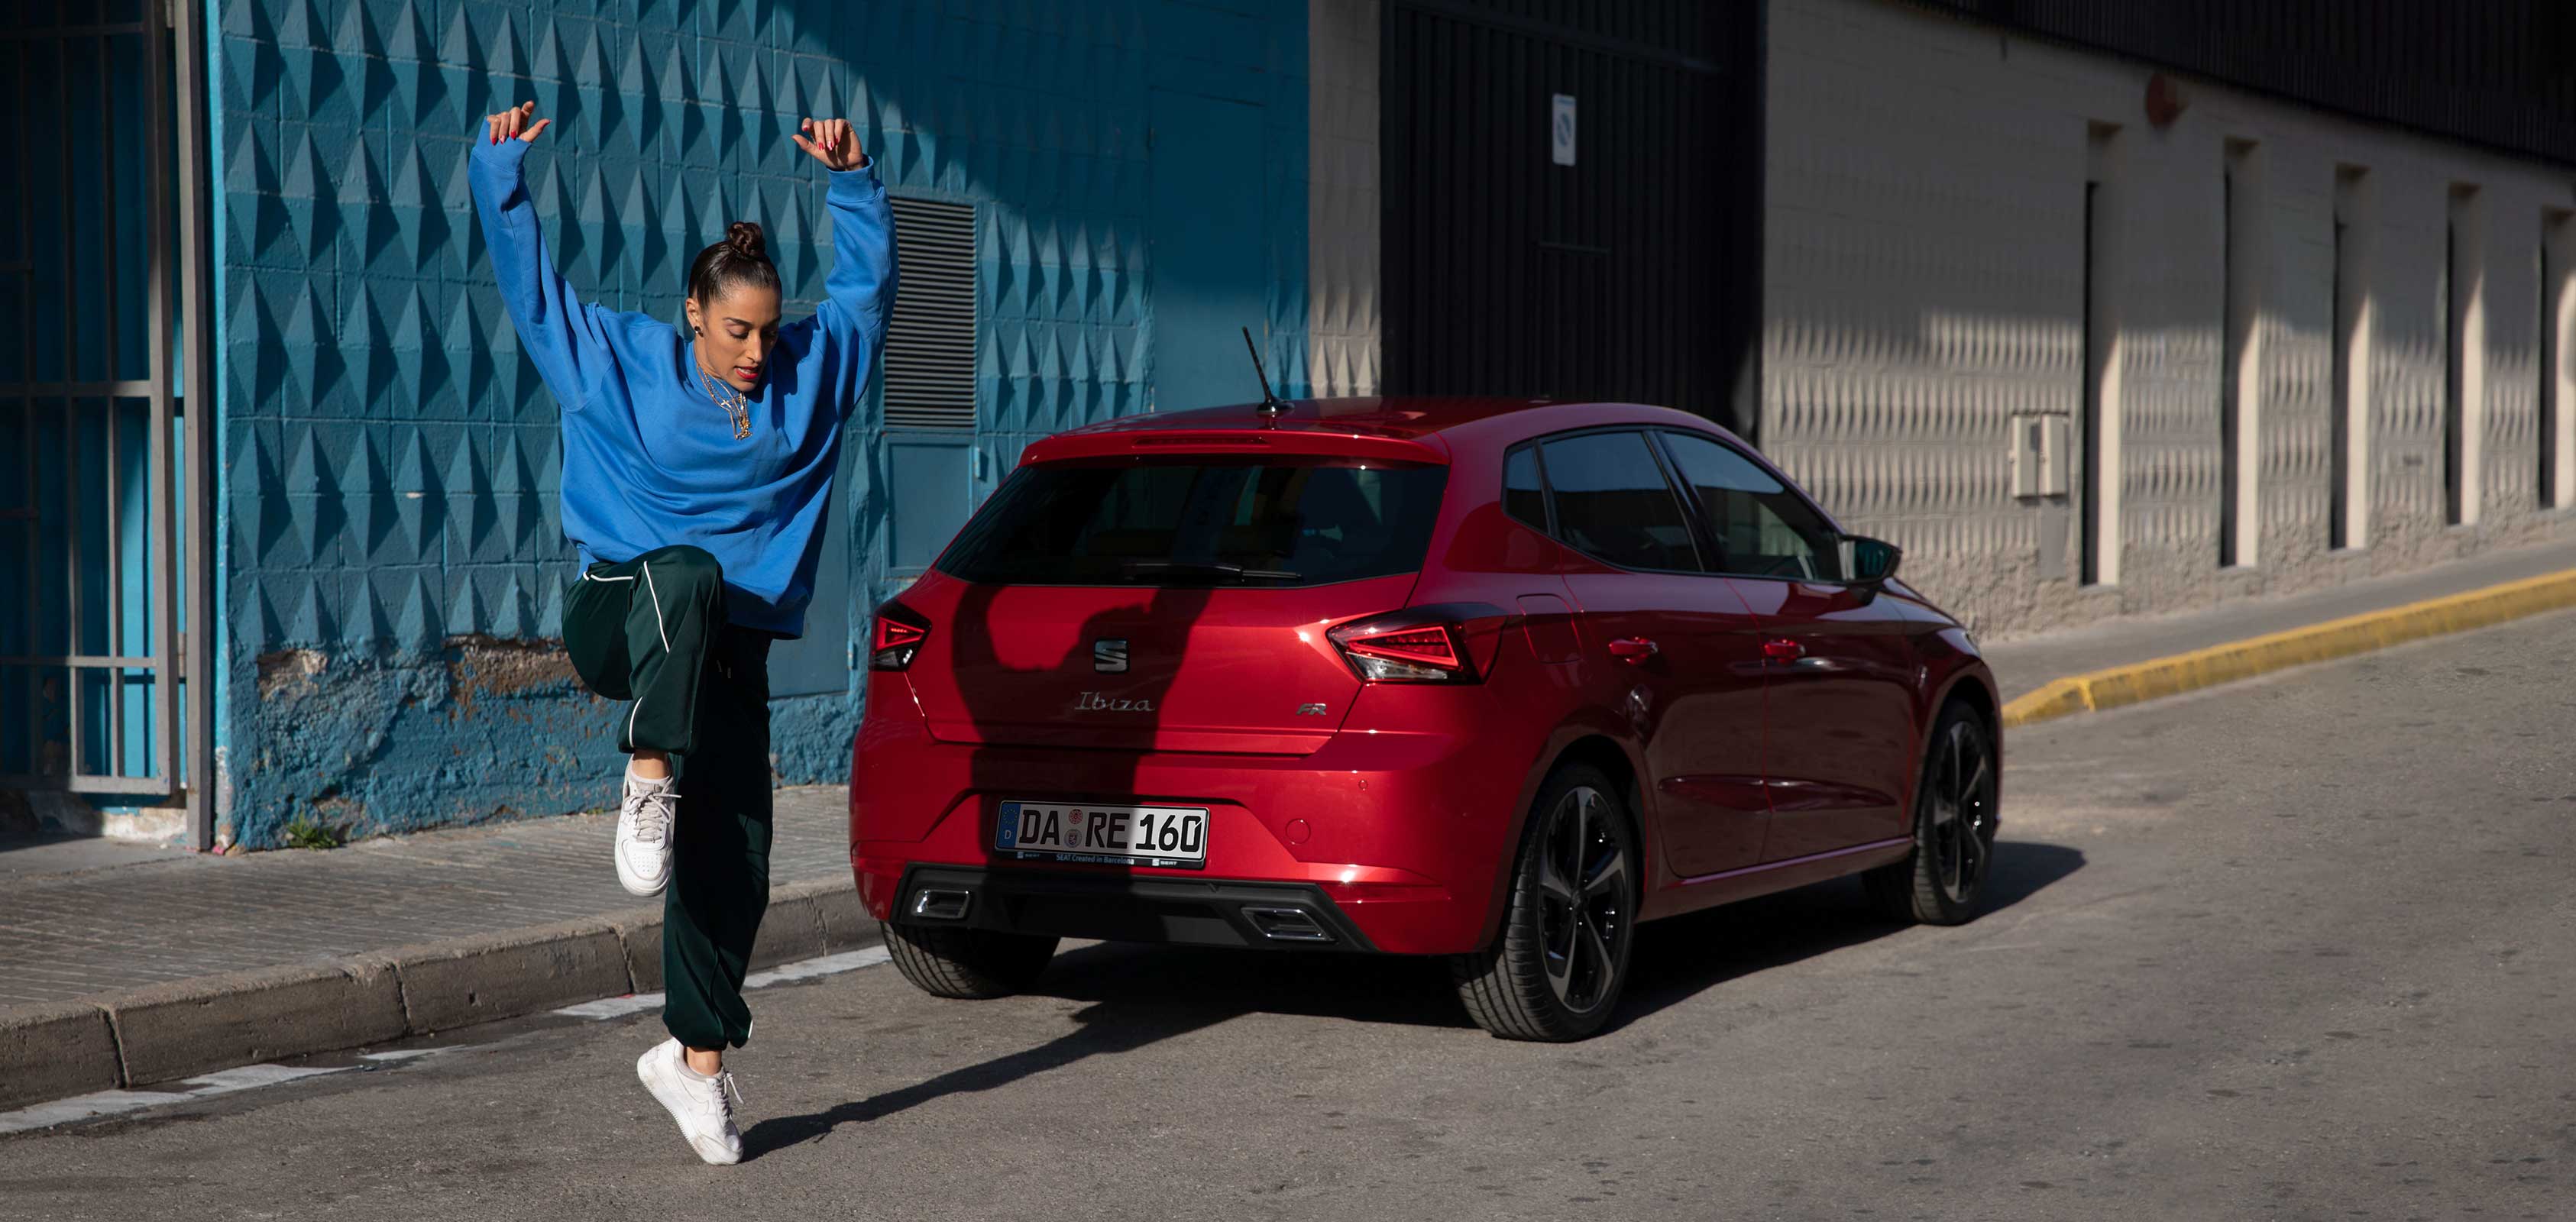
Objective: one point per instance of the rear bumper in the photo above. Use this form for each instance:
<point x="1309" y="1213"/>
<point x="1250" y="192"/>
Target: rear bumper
<point x="1402" y="836"/>
<point x="1236" y="913"/>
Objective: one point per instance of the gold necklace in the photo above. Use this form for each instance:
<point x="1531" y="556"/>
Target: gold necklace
<point x="731" y="400"/>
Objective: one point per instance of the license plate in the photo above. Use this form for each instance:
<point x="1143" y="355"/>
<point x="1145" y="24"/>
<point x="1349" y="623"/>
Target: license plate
<point x="1136" y="835"/>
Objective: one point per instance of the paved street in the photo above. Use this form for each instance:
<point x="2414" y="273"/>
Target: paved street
<point x="2295" y="949"/>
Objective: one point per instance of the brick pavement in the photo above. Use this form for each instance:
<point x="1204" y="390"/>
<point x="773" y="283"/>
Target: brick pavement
<point x="70" y="936"/>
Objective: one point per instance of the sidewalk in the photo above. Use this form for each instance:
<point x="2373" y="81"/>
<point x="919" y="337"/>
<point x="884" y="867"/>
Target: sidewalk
<point x="169" y="963"/>
<point x="2025" y="666"/>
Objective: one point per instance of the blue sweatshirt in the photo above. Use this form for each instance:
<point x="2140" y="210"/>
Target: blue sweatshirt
<point x="649" y="459"/>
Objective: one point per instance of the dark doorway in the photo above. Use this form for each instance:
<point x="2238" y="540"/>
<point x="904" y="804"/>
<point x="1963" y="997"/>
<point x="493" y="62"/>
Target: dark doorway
<point x="1572" y="201"/>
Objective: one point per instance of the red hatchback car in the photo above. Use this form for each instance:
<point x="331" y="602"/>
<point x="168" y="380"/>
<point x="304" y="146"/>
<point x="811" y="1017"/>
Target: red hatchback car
<point x="1492" y="680"/>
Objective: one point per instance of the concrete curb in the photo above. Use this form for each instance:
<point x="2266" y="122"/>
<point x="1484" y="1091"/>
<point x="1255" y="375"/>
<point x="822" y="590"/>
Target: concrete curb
<point x="446" y="985"/>
<point x="56" y="1050"/>
<point x="2238" y="660"/>
<point x="639" y="931"/>
<point x="793" y="927"/>
<point x="188" y="1027"/>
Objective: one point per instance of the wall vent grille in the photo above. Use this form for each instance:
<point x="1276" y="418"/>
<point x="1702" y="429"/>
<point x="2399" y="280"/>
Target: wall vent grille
<point x="930" y="342"/>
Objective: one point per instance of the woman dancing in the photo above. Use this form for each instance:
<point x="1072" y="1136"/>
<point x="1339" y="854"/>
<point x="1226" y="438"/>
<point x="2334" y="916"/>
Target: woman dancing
<point x="697" y="470"/>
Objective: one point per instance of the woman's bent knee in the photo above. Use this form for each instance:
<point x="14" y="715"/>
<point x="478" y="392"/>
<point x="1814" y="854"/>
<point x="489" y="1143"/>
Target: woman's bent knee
<point x="685" y="564"/>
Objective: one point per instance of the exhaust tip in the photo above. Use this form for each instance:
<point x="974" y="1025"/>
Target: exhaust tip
<point x="941" y="903"/>
<point x="1287" y="924"/>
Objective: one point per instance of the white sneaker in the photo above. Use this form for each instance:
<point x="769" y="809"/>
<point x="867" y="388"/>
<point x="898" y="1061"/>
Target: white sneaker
<point x="703" y="1106"/>
<point x="644" y="835"/>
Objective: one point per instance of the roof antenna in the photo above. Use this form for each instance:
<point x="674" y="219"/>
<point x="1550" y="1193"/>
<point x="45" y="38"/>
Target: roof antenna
<point x="1270" y="404"/>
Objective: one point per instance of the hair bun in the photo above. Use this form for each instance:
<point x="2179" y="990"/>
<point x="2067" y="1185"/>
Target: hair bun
<point x="744" y="237"/>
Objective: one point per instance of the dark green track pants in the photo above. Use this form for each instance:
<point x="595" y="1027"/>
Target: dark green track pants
<point x="652" y="630"/>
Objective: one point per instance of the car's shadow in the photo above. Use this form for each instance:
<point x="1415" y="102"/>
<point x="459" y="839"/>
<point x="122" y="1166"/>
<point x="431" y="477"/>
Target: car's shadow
<point x="1681" y="958"/>
<point x="1138" y="995"/>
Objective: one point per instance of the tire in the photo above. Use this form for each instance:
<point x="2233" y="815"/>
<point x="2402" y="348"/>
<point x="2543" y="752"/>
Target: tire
<point x="946" y="961"/>
<point x="1556" y="972"/>
<point x="1940" y="882"/>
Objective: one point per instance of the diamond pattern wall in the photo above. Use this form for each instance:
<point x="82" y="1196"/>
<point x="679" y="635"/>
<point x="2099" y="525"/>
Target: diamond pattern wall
<point x="391" y="459"/>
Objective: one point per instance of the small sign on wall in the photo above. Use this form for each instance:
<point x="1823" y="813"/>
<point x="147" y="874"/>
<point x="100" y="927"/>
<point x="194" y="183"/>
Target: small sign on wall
<point x="1561" y="131"/>
<point x="2039" y="456"/>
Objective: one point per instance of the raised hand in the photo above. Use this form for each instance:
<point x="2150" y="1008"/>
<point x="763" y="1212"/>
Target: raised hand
<point x="831" y="142"/>
<point x="520" y="122"/>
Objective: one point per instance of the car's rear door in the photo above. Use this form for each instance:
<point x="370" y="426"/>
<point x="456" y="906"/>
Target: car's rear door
<point x="1843" y="669"/>
<point x="1682" y="650"/>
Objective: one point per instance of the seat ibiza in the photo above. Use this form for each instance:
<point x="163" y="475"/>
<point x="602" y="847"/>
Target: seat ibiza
<point x="1490" y="680"/>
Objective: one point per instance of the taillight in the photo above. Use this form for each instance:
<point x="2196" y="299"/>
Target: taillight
<point x="895" y="636"/>
<point x="1451" y="643"/>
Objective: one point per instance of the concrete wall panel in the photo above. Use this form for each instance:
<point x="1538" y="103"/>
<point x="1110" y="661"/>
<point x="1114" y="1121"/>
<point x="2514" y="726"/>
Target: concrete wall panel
<point x="1924" y="287"/>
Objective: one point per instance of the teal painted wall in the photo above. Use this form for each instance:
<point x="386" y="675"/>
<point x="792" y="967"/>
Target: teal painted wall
<point x="393" y="565"/>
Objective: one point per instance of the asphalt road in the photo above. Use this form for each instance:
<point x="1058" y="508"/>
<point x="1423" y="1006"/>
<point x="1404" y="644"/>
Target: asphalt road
<point x="2295" y="949"/>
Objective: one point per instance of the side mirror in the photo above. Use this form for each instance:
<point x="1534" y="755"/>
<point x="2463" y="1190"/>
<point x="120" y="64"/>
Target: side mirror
<point x="1872" y="561"/>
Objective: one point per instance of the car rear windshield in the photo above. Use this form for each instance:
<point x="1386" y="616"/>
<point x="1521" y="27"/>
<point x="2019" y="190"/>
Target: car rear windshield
<point x="1201" y="521"/>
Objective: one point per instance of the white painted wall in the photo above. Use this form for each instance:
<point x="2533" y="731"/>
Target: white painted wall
<point x="1923" y="287"/>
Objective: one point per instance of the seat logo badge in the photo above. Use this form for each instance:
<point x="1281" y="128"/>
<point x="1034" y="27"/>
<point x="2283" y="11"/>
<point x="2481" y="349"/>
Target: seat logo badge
<point x="1109" y="657"/>
<point x="1094" y="702"/>
<point x="1310" y="710"/>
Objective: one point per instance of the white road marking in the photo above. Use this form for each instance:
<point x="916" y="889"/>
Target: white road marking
<point x="83" y="1107"/>
<point x="248" y="1077"/>
<point x="113" y="1102"/>
<point x="613" y="1007"/>
<point x="252" y="1077"/>
<point x="807" y="969"/>
<point x="803" y="969"/>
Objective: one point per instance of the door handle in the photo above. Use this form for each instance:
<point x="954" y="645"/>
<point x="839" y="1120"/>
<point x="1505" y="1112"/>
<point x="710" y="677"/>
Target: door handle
<point x="1783" y="650"/>
<point x="1634" y="650"/>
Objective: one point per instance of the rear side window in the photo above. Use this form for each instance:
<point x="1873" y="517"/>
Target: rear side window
<point x="1612" y="502"/>
<point x="1201" y="521"/>
<point x="1761" y="527"/>
<point x="1523" y="496"/>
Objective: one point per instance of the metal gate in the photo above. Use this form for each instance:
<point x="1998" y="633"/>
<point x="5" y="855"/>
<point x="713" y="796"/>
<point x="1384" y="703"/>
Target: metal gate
<point x="1572" y="200"/>
<point x="101" y="241"/>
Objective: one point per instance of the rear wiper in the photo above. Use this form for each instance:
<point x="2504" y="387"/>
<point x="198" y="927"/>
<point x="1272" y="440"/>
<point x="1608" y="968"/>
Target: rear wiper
<point x="1206" y="568"/>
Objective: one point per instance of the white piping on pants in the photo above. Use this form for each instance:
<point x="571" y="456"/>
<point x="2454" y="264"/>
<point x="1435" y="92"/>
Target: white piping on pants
<point x="657" y="607"/>
<point x="638" y="705"/>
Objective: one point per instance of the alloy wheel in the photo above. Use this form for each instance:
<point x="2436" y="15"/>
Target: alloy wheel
<point x="1962" y="835"/>
<point x="1584" y="906"/>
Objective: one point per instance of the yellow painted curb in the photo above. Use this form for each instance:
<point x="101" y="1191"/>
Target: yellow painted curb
<point x="2184" y="672"/>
